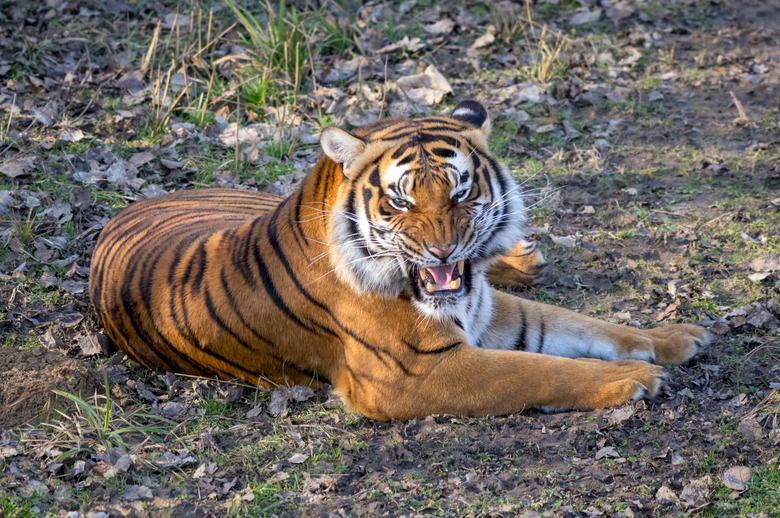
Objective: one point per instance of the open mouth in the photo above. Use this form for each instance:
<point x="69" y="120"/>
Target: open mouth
<point x="446" y="278"/>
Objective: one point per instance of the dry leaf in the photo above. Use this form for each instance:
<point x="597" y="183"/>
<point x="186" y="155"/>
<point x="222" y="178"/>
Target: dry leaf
<point x="766" y="263"/>
<point x="16" y="168"/>
<point x="607" y="451"/>
<point x="298" y="458"/>
<point x="736" y="478"/>
<point x="584" y="16"/>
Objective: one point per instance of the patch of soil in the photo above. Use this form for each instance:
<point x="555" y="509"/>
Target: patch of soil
<point x="28" y="377"/>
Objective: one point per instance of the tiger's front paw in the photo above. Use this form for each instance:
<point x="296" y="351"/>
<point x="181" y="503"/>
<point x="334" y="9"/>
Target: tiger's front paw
<point x="625" y="380"/>
<point x="522" y="265"/>
<point x="678" y="343"/>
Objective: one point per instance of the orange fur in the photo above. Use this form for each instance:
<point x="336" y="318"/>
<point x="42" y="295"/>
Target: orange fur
<point x="243" y="285"/>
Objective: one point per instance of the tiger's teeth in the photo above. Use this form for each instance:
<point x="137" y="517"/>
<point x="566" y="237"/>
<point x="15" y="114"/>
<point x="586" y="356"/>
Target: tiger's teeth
<point x="430" y="287"/>
<point x="461" y="265"/>
<point x="454" y="285"/>
<point x="422" y="274"/>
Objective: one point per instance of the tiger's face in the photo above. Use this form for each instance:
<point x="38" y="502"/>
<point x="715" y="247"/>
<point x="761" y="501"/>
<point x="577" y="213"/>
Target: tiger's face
<point x="423" y="209"/>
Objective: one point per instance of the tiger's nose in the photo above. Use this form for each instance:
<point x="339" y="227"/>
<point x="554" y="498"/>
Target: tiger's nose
<point x="442" y="254"/>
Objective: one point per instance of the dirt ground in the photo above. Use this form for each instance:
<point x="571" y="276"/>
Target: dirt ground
<point x="648" y="135"/>
<point x="30" y="375"/>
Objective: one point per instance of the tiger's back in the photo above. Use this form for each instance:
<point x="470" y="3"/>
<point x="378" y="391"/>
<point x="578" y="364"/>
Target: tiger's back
<point x="153" y="251"/>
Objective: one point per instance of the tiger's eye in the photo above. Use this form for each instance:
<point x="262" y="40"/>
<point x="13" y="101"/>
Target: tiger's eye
<point x="399" y="203"/>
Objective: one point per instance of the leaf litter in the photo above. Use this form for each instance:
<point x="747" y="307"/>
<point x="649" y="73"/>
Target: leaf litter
<point x="78" y="143"/>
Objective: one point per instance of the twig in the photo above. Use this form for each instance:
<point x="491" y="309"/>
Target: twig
<point x="743" y="118"/>
<point x="713" y="220"/>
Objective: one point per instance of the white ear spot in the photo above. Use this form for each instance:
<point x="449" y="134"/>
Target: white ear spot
<point x="462" y="113"/>
<point x="341" y="147"/>
<point x="473" y="113"/>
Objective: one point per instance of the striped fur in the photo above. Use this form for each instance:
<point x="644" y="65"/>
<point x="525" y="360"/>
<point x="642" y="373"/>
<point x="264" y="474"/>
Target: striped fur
<point x="373" y="276"/>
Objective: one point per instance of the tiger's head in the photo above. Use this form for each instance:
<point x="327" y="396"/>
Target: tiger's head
<point x="423" y="208"/>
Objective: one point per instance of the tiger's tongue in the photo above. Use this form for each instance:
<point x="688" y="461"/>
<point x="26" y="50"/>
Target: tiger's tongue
<point x="442" y="275"/>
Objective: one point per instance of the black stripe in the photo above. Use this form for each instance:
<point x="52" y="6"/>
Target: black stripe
<point x="274" y="241"/>
<point x="270" y="289"/>
<point x="240" y="255"/>
<point x="408" y="158"/>
<point x="443" y="152"/>
<point x="132" y="312"/>
<point x="235" y="307"/>
<point x="295" y="229"/>
<point x="520" y="344"/>
<point x="373" y="178"/>
<point x="403" y="148"/>
<point x="427" y="138"/>
<point x="198" y="260"/>
<point x="221" y="323"/>
<point x="541" y="334"/>
<point x="440" y="350"/>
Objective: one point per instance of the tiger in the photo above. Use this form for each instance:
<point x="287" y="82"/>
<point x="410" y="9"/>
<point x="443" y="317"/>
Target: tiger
<point x="375" y="276"/>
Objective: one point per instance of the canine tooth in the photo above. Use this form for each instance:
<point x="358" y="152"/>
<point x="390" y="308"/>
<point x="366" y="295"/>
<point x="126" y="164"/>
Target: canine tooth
<point x="455" y="284"/>
<point x="430" y="287"/>
<point x="422" y="273"/>
<point x="461" y="265"/>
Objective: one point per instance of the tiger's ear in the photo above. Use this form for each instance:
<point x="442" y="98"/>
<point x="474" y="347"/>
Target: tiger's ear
<point x="473" y="113"/>
<point x="341" y="147"/>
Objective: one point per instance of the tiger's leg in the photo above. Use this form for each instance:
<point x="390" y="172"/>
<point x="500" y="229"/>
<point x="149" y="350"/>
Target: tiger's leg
<point x="439" y="377"/>
<point x="531" y="326"/>
<point x="520" y="266"/>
